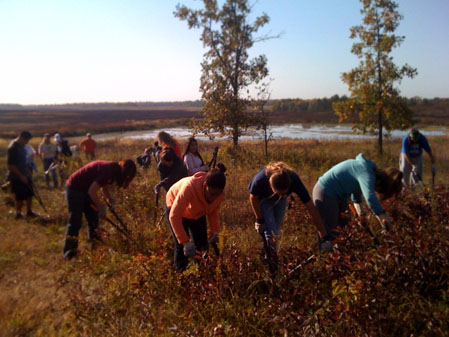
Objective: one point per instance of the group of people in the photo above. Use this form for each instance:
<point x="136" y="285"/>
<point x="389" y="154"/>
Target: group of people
<point x="195" y="191"/>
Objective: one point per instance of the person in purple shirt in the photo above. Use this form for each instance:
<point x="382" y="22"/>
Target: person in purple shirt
<point x="268" y="190"/>
<point x="81" y="194"/>
<point x="410" y="160"/>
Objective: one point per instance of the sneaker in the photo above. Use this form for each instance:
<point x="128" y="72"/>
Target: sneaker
<point x="31" y="214"/>
<point x="19" y="216"/>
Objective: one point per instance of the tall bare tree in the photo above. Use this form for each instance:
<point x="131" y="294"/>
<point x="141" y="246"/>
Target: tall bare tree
<point x="227" y="71"/>
<point x="373" y="95"/>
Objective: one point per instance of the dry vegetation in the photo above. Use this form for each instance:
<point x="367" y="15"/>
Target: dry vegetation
<point x="127" y="287"/>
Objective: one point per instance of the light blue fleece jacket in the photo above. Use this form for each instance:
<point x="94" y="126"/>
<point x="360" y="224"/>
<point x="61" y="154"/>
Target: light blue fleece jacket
<point x="352" y="178"/>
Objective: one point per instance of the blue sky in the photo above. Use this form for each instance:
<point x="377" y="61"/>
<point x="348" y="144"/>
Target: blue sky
<point x="61" y="51"/>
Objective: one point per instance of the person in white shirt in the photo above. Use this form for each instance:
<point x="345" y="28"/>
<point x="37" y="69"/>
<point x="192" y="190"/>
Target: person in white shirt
<point x="192" y="158"/>
<point x="47" y="152"/>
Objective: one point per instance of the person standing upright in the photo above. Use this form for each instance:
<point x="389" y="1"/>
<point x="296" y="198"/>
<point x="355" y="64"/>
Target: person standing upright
<point x="47" y="152"/>
<point x="19" y="174"/>
<point x="88" y="146"/>
<point x="410" y="160"/>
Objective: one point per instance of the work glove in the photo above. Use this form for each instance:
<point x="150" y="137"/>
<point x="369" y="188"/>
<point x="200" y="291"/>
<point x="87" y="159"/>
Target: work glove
<point x="326" y="244"/>
<point x="189" y="249"/>
<point x="434" y="169"/>
<point x="213" y="240"/>
<point x="102" y="212"/>
<point x="414" y="169"/>
<point x="259" y="226"/>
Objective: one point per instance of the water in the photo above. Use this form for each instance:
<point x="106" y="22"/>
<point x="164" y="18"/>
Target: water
<point x="295" y="131"/>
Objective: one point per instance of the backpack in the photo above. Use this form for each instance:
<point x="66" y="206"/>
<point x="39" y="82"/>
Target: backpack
<point x="65" y="149"/>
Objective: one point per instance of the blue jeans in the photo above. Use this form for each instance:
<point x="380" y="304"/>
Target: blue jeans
<point x="47" y="163"/>
<point x="79" y="203"/>
<point x="273" y="212"/>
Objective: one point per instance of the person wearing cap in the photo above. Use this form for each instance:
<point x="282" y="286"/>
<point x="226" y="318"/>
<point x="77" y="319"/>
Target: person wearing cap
<point x="19" y="174"/>
<point x="189" y="202"/>
<point x="47" y="153"/>
<point x="410" y="160"/>
<point x="88" y="146"/>
<point x="81" y="194"/>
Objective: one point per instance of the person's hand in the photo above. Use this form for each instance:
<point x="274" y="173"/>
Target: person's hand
<point x="102" y="212"/>
<point x="414" y="169"/>
<point x="157" y="188"/>
<point x="434" y="169"/>
<point x="213" y="240"/>
<point x="326" y="246"/>
<point x="189" y="249"/>
<point x="385" y="221"/>
<point x="259" y="226"/>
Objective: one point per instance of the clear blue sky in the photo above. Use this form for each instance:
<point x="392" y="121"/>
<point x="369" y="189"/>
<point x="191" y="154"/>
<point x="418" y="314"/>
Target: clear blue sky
<point x="61" y="51"/>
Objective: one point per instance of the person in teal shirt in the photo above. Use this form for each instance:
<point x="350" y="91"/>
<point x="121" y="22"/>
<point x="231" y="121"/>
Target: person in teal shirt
<point x="354" y="179"/>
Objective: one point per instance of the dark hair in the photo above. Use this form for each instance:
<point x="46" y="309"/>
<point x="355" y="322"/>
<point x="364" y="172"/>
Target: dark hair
<point x="128" y="171"/>
<point x="168" y="154"/>
<point x="388" y="182"/>
<point x="191" y="140"/>
<point x="216" y="178"/>
<point x="26" y="135"/>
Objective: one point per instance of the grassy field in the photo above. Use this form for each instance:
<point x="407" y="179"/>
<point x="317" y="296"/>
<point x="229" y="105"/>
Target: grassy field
<point x="126" y="287"/>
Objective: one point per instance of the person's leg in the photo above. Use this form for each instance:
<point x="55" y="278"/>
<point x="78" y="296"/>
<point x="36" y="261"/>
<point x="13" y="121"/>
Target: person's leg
<point x="180" y="260"/>
<point x="329" y="210"/>
<point x="75" y="204"/>
<point x="418" y="164"/>
<point x="47" y="163"/>
<point x="406" y="169"/>
<point x="92" y="219"/>
<point x="271" y="231"/>
<point x="198" y="233"/>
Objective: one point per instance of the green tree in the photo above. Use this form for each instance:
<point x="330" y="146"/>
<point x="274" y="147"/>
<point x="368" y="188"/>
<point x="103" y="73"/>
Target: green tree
<point x="373" y="95"/>
<point x="227" y="71"/>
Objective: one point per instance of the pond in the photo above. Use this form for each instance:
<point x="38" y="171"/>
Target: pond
<point x="295" y="131"/>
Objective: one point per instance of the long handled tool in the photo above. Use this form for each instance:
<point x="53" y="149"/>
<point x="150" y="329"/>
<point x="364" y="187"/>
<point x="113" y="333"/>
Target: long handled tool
<point x="212" y="164"/>
<point x="37" y="195"/>
<point x="364" y="223"/>
<point x="123" y="231"/>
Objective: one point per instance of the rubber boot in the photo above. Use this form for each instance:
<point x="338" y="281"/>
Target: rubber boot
<point x="70" y="247"/>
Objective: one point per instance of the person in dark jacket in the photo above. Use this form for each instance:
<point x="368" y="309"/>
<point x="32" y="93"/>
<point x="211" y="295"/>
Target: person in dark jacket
<point x="19" y="174"/>
<point x="170" y="168"/>
<point x="268" y="190"/>
<point x="81" y="193"/>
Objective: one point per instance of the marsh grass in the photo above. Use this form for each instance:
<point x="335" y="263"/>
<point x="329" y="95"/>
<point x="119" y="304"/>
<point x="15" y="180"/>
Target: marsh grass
<point x="128" y="288"/>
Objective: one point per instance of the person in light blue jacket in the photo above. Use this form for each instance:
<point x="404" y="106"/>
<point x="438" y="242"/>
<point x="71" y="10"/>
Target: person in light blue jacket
<point x="354" y="179"/>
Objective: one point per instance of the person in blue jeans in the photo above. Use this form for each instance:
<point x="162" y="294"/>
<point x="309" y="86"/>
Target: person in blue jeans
<point x="352" y="179"/>
<point x="268" y="190"/>
<point x="410" y="160"/>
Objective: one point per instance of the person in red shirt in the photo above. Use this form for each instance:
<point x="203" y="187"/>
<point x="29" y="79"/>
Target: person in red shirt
<point x="88" y="146"/>
<point x="189" y="202"/>
<point x="81" y="194"/>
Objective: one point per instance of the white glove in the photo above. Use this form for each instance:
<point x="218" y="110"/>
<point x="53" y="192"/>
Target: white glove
<point x="326" y="246"/>
<point x="214" y="238"/>
<point x="259" y="226"/>
<point x="189" y="249"/>
<point x="434" y="168"/>
<point x="414" y="169"/>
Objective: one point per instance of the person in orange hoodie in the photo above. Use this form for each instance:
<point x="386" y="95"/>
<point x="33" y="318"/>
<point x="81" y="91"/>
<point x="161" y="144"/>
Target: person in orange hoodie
<point x="189" y="202"/>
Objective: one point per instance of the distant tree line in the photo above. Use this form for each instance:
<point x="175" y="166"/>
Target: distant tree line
<point x="290" y="105"/>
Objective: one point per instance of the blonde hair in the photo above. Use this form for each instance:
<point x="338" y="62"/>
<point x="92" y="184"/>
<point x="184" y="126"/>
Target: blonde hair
<point x="279" y="176"/>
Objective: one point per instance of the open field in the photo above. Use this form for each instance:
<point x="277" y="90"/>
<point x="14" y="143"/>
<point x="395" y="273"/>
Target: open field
<point x="77" y="119"/>
<point x="127" y="287"/>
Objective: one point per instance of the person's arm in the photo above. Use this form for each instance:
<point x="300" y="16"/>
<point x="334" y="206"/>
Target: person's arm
<point x="93" y="189"/>
<point x="176" y="212"/>
<point x="106" y="193"/>
<point x="254" y="200"/>
<point x="15" y="170"/>
<point x="316" y="218"/>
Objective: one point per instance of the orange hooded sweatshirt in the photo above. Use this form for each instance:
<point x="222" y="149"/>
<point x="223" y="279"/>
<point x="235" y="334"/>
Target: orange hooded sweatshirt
<point x="186" y="199"/>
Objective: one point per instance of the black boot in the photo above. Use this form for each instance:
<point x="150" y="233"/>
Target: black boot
<point x="70" y="247"/>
